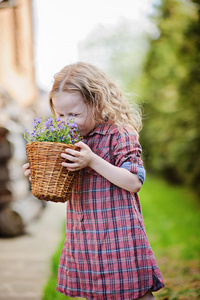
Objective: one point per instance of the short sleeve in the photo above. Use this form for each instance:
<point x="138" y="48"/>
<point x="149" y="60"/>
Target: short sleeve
<point x="127" y="149"/>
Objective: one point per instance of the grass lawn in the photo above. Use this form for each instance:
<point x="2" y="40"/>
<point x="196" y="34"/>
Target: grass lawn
<point x="172" y="219"/>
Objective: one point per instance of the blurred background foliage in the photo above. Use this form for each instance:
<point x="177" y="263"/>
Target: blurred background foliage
<point x="171" y="91"/>
<point x="162" y="66"/>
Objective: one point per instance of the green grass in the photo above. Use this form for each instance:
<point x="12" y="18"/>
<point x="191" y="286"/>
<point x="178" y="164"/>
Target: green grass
<point x="50" y="292"/>
<point x="172" y="220"/>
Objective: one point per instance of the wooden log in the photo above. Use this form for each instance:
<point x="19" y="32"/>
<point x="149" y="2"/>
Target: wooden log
<point x="5" y="197"/>
<point x="5" y="150"/>
<point x="4" y="190"/>
<point x="5" y="200"/>
<point x="5" y="145"/>
<point x="3" y="132"/>
<point x="29" y="208"/>
<point x="4" y="174"/>
<point x="11" y="224"/>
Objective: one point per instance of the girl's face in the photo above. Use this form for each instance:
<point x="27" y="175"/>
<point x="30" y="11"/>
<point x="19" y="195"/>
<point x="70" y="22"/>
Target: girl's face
<point x="68" y="105"/>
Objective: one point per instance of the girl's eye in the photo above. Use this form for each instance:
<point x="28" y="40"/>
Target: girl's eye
<point x="74" y="115"/>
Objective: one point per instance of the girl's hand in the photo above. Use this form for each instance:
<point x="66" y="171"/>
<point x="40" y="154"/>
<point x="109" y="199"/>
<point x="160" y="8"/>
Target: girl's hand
<point x="118" y="176"/>
<point x="78" y="159"/>
<point x="27" y="171"/>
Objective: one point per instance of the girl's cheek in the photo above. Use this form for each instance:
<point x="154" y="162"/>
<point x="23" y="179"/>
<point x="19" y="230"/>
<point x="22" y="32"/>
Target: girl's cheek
<point x="78" y="122"/>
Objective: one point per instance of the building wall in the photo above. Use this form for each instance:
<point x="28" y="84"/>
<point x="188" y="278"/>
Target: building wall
<point x="16" y="52"/>
<point x="18" y="107"/>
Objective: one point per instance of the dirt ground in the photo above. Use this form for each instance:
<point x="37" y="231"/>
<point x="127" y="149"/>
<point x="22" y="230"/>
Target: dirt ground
<point x="182" y="279"/>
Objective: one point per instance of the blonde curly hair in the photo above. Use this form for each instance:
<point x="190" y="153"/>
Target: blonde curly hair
<point x="98" y="91"/>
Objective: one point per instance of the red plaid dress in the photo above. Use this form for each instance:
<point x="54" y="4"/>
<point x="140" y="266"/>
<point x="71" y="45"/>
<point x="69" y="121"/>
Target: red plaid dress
<point x="106" y="254"/>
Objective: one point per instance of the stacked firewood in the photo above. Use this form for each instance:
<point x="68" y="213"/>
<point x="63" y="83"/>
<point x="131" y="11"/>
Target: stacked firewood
<point x="18" y="207"/>
<point x="10" y="221"/>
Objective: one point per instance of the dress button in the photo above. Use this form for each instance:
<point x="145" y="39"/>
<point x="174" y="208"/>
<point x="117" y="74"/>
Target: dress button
<point x="80" y="216"/>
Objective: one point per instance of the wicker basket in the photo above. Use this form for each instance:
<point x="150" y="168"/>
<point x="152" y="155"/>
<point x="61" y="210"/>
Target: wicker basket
<point x="50" y="181"/>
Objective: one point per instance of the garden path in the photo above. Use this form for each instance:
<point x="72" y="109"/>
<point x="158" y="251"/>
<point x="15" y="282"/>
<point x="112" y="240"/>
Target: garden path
<point x="25" y="261"/>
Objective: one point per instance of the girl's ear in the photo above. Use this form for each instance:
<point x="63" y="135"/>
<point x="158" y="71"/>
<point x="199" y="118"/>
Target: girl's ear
<point x="97" y="112"/>
<point x="99" y="107"/>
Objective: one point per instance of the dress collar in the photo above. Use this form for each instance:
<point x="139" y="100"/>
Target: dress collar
<point x="102" y="128"/>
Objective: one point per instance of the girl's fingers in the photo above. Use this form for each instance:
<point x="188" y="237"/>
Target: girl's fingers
<point x="72" y="152"/>
<point x="25" y="166"/>
<point x="68" y="164"/>
<point x="27" y="172"/>
<point x="69" y="157"/>
<point x="71" y="167"/>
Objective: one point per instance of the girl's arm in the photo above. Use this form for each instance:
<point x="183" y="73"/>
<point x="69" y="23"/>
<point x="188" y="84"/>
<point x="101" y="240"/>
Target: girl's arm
<point x="118" y="176"/>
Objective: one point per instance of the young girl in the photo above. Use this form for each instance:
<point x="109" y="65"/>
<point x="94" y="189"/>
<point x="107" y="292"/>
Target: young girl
<point x="106" y="254"/>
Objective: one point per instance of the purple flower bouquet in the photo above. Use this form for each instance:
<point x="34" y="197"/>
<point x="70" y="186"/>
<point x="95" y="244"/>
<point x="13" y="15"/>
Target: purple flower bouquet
<point x="53" y="130"/>
<point x="51" y="181"/>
